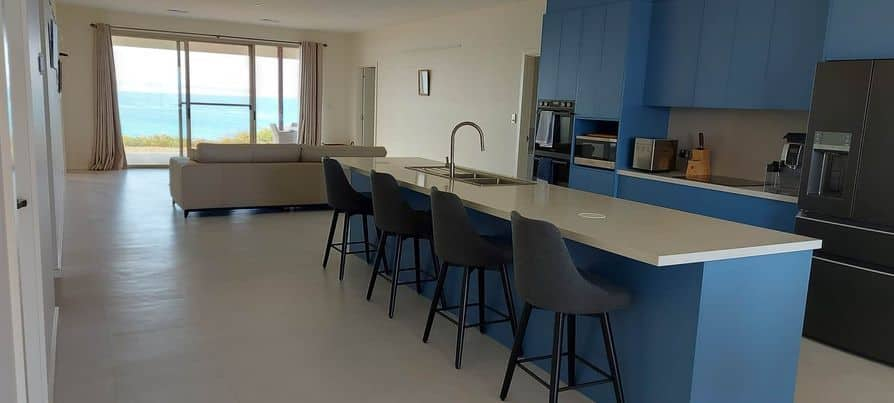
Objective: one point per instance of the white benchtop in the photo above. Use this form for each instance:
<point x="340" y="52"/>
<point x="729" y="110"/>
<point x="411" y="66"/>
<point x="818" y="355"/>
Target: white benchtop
<point x="671" y="177"/>
<point x="649" y="234"/>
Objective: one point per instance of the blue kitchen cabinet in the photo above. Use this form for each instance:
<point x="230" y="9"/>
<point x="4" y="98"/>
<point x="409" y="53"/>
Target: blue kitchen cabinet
<point x="750" y="49"/>
<point x="717" y="32"/>
<point x="797" y="45"/>
<point x="860" y="29"/>
<point x="593" y="180"/>
<point x="603" y="50"/>
<point x="569" y="55"/>
<point x="773" y="214"/>
<point x="742" y="54"/>
<point x="673" y="52"/>
<point x="550" y="40"/>
<point x="559" y="55"/>
<point x="591" y="60"/>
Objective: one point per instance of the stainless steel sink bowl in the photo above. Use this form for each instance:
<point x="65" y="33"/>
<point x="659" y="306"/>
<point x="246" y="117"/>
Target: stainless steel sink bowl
<point x="470" y="176"/>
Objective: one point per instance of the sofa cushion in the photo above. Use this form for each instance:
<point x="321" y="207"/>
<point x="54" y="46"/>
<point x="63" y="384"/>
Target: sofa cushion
<point x="316" y="153"/>
<point x="245" y="153"/>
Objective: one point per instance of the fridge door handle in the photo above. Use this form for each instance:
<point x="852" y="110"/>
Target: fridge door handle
<point x="878" y="231"/>
<point x="853" y="266"/>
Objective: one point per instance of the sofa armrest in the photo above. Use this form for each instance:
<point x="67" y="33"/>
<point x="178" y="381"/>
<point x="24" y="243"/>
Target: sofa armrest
<point x="175" y="172"/>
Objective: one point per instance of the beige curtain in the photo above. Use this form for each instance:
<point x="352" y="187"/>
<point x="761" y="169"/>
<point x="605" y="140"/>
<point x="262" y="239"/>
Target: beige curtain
<point x="311" y="95"/>
<point x="108" y="145"/>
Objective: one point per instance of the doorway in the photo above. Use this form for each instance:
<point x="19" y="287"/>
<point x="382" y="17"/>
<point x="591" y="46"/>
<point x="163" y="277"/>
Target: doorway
<point x="368" y="106"/>
<point x="527" y="108"/>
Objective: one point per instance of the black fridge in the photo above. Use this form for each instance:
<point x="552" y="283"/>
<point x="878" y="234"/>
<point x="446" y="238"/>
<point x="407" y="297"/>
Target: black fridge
<point x="847" y="200"/>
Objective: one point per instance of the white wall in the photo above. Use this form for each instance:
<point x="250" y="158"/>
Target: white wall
<point x="476" y="60"/>
<point x="742" y="142"/>
<point x="77" y="40"/>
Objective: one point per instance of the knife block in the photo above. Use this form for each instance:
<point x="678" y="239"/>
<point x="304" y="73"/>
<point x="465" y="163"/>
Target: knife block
<point x="699" y="164"/>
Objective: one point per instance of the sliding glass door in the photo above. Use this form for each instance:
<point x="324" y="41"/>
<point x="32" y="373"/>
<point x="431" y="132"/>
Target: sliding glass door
<point x="218" y="93"/>
<point x="176" y="93"/>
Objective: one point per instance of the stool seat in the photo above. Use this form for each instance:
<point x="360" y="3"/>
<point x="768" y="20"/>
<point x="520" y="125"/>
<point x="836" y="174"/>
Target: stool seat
<point x="603" y="297"/>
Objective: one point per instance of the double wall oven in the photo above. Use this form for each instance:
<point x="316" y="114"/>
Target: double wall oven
<point x="550" y="145"/>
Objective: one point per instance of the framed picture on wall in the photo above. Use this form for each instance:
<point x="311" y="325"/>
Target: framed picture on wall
<point x="425" y="82"/>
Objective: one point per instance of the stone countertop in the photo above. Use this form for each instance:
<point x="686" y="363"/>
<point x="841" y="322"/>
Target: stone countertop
<point x="654" y="235"/>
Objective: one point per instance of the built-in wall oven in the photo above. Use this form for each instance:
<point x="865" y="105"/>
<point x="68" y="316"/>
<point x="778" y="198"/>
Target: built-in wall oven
<point x="550" y="144"/>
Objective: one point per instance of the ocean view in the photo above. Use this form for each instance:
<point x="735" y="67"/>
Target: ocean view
<point x="145" y="114"/>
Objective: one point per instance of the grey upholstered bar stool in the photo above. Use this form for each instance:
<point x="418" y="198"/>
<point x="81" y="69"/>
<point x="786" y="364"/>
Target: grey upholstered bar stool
<point x="459" y="244"/>
<point x="395" y="218"/>
<point x="343" y="199"/>
<point x="548" y="279"/>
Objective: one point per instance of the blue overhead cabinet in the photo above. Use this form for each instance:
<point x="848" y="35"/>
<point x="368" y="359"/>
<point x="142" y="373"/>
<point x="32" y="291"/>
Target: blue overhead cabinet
<point x="742" y="54"/>
<point x="860" y="29"/>
<point x="583" y="57"/>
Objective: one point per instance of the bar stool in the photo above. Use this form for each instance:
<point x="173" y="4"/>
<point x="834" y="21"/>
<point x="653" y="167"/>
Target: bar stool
<point x="395" y="218"/>
<point x="459" y="244"/>
<point x="548" y="279"/>
<point x="344" y="200"/>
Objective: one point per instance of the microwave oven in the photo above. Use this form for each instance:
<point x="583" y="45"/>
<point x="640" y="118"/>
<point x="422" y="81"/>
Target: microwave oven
<point x="596" y="150"/>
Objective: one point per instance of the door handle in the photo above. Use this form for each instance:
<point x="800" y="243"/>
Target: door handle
<point x="21" y="203"/>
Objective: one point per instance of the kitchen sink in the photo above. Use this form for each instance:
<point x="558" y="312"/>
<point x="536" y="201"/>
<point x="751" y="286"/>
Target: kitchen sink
<point x="470" y="176"/>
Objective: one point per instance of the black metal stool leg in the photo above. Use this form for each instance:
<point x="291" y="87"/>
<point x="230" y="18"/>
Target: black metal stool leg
<point x="417" y="265"/>
<point x="439" y="291"/>
<point x="380" y="258"/>
<point x="572" y="350"/>
<point x="516" y="350"/>
<point x="461" y="326"/>
<point x="434" y="259"/>
<point x="481" y="326"/>
<point x="331" y="235"/>
<point x="609" y="339"/>
<point x="555" y="365"/>
<point x="395" y="276"/>
<point x="365" y="237"/>
<point x="344" y="247"/>
<point x="510" y="302"/>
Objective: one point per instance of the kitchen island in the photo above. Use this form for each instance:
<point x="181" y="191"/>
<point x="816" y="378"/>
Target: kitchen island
<point x="718" y="306"/>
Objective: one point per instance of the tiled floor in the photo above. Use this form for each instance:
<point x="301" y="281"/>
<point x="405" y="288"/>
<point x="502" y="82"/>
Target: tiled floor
<point x="235" y="308"/>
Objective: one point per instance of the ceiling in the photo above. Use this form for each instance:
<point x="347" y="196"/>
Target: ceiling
<point x="329" y="15"/>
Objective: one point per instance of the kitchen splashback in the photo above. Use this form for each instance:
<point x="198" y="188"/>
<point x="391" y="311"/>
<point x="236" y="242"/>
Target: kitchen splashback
<point x="742" y="142"/>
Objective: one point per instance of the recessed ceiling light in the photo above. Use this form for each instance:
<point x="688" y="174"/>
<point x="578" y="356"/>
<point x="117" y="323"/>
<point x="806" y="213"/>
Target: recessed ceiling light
<point x="270" y="20"/>
<point x="178" y="11"/>
<point x="259" y="4"/>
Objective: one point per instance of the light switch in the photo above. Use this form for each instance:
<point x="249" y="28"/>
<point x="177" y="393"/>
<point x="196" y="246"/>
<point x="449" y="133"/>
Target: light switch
<point x="513" y="118"/>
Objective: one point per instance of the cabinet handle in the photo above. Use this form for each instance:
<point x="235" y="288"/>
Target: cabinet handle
<point x="853" y="266"/>
<point x="838" y="224"/>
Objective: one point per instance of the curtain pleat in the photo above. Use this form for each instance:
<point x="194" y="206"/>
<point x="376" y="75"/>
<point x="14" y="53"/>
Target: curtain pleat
<point x="311" y="96"/>
<point x="108" y="143"/>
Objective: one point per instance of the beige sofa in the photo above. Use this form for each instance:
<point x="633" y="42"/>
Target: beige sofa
<point x="230" y="176"/>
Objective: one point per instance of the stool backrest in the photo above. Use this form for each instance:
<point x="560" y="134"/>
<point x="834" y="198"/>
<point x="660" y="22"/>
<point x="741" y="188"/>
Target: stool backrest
<point x="453" y="230"/>
<point x="339" y="192"/>
<point x="545" y="275"/>
<point x="393" y="213"/>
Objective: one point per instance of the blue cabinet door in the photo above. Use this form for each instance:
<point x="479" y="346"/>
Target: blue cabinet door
<point x="751" y="50"/>
<point x="569" y="55"/>
<point x="591" y="62"/>
<point x="718" y="31"/>
<point x="614" y="59"/>
<point x="673" y="52"/>
<point x="797" y="45"/>
<point x="550" y="40"/>
<point x="592" y="180"/>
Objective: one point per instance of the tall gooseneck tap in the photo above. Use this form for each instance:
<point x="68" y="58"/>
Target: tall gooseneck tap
<point x="451" y="161"/>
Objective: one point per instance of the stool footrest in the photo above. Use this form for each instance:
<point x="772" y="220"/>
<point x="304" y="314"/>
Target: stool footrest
<point x="442" y="311"/>
<point x="340" y="248"/>
<point x="521" y="361"/>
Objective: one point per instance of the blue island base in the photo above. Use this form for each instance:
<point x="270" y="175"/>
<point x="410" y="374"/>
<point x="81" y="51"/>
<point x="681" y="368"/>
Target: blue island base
<point x="725" y="331"/>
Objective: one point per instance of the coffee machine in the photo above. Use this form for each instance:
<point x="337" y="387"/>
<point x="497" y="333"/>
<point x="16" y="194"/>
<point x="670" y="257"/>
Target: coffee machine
<point x="784" y="176"/>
